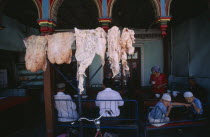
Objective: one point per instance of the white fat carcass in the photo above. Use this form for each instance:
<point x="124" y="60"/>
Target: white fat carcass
<point x="101" y="44"/>
<point x="127" y="40"/>
<point x="35" y="53"/>
<point x="88" y="43"/>
<point x="59" y="47"/>
<point x="114" y="49"/>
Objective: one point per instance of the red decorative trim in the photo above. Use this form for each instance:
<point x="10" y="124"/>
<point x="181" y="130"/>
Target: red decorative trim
<point x="105" y="28"/>
<point x="51" y="1"/>
<point x="46" y="29"/>
<point x="48" y="22"/>
<point x="164" y="18"/>
<point x="105" y="19"/>
<point x="163" y="29"/>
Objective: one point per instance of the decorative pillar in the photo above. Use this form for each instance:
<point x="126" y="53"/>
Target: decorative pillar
<point x="46" y="26"/>
<point x="105" y="23"/>
<point x="163" y="21"/>
<point x="105" y="12"/>
<point x="162" y="10"/>
<point x="47" y="11"/>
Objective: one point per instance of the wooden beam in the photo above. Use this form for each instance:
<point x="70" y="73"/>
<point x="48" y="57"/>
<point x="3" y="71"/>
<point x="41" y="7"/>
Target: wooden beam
<point x="49" y="101"/>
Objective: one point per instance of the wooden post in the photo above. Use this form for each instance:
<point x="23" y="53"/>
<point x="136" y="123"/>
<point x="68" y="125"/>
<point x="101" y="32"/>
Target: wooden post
<point x="47" y="27"/>
<point x="166" y="55"/>
<point x="48" y="99"/>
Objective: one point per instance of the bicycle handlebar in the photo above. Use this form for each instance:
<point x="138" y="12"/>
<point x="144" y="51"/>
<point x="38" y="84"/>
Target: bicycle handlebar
<point x="110" y="112"/>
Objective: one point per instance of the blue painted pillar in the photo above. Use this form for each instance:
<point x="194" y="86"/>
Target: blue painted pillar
<point x="105" y="19"/>
<point x="46" y="24"/>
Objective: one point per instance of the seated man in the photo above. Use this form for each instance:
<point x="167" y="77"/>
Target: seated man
<point x="109" y="94"/>
<point x="158" y="80"/>
<point x="196" y="109"/>
<point x="197" y="90"/>
<point x="159" y="114"/>
<point x="65" y="107"/>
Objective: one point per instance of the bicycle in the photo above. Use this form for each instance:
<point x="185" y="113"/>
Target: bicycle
<point x="96" y="122"/>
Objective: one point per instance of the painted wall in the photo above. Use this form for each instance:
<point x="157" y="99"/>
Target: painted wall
<point x="11" y="38"/>
<point x="151" y="54"/>
<point x="98" y="78"/>
<point x="190" y="51"/>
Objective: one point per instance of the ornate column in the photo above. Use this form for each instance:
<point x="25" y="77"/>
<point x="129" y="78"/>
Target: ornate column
<point x="105" y="23"/>
<point x="163" y="21"/>
<point x="47" y="17"/>
<point x="162" y="10"/>
<point x="105" y="12"/>
<point x="46" y="26"/>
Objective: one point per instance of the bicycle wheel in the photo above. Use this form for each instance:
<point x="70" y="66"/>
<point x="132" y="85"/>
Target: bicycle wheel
<point x="98" y="134"/>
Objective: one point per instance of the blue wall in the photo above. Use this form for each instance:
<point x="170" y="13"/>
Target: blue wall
<point x="11" y="38"/>
<point x="191" y="51"/>
<point x="152" y="55"/>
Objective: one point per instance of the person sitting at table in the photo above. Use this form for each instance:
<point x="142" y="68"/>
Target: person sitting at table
<point x="159" y="115"/>
<point x="64" y="105"/>
<point x="197" y="90"/>
<point x="158" y="80"/>
<point x="196" y="109"/>
<point x="109" y="94"/>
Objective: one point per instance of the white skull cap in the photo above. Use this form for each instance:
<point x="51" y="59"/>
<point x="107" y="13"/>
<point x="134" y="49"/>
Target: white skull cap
<point x="188" y="94"/>
<point x="61" y="85"/>
<point x="166" y="97"/>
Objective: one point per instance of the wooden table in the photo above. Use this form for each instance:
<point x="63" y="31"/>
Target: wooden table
<point x="10" y="102"/>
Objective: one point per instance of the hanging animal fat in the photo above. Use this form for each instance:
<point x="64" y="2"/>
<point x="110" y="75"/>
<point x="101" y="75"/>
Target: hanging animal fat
<point x="114" y="49"/>
<point x="35" y="53"/>
<point x="88" y="43"/>
<point x="59" y="47"/>
<point x="127" y="40"/>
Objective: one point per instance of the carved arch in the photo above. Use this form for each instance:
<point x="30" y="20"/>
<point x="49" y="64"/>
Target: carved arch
<point x="157" y="8"/>
<point x="168" y="7"/>
<point x="110" y="7"/>
<point x="39" y="7"/>
<point x="98" y="5"/>
<point x="54" y="9"/>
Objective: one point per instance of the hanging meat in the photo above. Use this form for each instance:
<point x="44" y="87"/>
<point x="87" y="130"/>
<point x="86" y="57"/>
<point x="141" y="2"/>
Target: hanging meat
<point x="127" y="40"/>
<point x="114" y="49"/>
<point x="35" y="53"/>
<point x="59" y="47"/>
<point x="88" y="43"/>
<point x="101" y="44"/>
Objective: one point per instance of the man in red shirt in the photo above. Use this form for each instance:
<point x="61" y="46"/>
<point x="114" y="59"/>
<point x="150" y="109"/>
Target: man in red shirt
<point x="158" y="80"/>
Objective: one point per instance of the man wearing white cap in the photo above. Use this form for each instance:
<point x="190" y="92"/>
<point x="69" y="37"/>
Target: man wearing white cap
<point x="195" y="103"/>
<point x="65" y="106"/>
<point x="159" y="114"/>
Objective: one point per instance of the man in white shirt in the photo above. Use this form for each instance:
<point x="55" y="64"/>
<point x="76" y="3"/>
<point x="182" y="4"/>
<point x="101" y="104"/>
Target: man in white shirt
<point x="109" y="94"/>
<point x="65" y="106"/>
